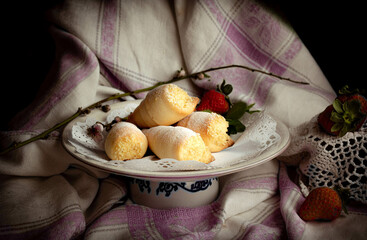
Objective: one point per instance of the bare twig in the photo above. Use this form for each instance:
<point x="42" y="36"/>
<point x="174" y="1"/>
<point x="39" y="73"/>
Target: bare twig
<point x="86" y="110"/>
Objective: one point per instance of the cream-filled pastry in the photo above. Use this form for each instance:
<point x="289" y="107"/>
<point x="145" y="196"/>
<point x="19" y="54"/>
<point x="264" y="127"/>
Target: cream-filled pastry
<point x="163" y="106"/>
<point x="212" y="127"/>
<point x="125" y="141"/>
<point x="177" y="142"/>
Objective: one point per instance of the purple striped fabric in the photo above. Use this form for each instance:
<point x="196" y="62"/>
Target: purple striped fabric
<point x="266" y="183"/>
<point x="251" y="49"/>
<point x="272" y="227"/>
<point x="171" y="224"/>
<point x="109" y="20"/>
<point x="67" y="226"/>
<point x="247" y="34"/>
<point x="290" y="200"/>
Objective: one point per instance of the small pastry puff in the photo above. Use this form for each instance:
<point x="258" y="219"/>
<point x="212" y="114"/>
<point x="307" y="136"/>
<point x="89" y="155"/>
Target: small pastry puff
<point x="177" y="142"/>
<point x="125" y="141"/>
<point x="212" y="127"/>
<point x="163" y="106"/>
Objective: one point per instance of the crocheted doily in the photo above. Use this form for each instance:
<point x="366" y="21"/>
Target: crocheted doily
<point x="329" y="160"/>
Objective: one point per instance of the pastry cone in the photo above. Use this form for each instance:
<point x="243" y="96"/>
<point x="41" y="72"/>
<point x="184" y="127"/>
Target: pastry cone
<point x="163" y="106"/>
<point x="177" y="142"/>
<point x="212" y="128"/>
<point x="125" y="141"/>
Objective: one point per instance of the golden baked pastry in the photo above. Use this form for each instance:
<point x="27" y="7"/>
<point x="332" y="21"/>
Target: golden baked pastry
<point x="125" y="141"/>
<point x="163" y="106"/>
<point x="212" y="127"/>
<point x="177" y="142"/>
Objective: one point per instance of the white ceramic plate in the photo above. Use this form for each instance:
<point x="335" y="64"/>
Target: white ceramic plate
<point x="265" y="156"/>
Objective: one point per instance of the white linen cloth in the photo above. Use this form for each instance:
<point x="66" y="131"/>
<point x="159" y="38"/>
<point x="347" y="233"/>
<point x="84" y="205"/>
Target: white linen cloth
<point x="107" y="47"/>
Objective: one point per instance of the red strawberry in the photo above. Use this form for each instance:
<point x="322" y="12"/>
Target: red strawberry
<point x="213" y="101"/>
<point x="346" y="94"/>
<point x="322" y="203"/>
<point x="357" y="97"/>
<point x="347" y="114"/>
<point x="216" y="100"/>
<point x="324" y="120"/>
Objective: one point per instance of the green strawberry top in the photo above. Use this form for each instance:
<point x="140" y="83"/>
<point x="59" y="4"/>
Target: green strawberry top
<point x="347" y="116"/>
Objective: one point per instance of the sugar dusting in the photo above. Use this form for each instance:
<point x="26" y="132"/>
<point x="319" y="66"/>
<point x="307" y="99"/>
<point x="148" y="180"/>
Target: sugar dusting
<point x="178" y="97"/>
<point x="172" y="134"/>
<point x="199" y="120"/>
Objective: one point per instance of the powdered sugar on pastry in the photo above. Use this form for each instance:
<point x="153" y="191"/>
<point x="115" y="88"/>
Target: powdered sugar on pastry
<point x="163" y="106"/>
<point x="177" y="142"/>
<point x="212" y="127"/>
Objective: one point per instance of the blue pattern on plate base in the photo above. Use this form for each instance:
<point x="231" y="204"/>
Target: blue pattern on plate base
<point x="197" y="186"/>
<point x="142" y="184"/>
<point x="164" y="194"/>
<point x="168" y="187"/>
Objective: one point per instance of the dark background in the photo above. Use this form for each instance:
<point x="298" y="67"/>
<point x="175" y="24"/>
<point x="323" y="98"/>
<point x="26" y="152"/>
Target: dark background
<point x="332" y="32"/>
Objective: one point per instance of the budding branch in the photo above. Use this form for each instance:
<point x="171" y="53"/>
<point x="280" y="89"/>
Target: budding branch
<point x="86" y="110"/>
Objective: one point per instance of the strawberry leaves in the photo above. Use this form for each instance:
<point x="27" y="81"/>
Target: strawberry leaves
<point x="239" y="109"/>
<point x="224" y="88"/>
<point x="236" y="110"/>
<point x="344" y="195"/>
<point x="235" y="126"/>
<point x="345" y="90"/>
<point x="234" y="114"/>
<point x="345" y="116"/>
